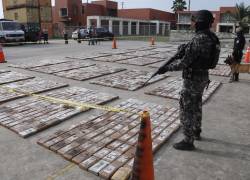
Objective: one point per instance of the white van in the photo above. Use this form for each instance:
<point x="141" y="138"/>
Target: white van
<point x="10" y="31"/>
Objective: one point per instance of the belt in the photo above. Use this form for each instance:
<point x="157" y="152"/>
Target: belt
<point x="195" y="74"/>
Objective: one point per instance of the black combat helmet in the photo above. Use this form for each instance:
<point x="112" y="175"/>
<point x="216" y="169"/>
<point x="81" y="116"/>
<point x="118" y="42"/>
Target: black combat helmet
<point x="203" y="16"/>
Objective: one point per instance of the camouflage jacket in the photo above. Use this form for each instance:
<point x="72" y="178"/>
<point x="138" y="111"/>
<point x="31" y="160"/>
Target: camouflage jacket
<point x="198" y="49"/>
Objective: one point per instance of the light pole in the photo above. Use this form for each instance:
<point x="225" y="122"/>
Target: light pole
<point x="189" y="5"/>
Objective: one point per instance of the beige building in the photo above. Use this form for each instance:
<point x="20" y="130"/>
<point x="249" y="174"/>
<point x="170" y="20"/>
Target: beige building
<point x="31" y="13"/>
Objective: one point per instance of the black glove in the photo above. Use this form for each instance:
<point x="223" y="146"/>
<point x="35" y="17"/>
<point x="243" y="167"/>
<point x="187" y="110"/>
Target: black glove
<point x="162" y="70"/>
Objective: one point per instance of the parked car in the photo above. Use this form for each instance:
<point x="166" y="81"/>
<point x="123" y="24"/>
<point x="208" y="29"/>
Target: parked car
<point x="83" y="33"/>
<point x="10" y="31"/>
<point x="32" y="34"/>
<point x="103" y="33"/>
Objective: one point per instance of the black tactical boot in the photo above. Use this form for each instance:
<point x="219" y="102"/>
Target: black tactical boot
<point x="185" y="146"/>
<point x="236" y="76"/>
<point x="197" y="135"/>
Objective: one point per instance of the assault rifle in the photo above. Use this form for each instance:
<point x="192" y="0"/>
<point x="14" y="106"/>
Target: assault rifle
<point x="180" y="53"/>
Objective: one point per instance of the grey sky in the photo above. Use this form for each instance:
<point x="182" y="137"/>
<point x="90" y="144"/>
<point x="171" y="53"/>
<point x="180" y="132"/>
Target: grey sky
<point x="167" y="4"/>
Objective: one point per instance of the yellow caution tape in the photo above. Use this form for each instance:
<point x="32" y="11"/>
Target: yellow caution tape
<point x="20" y="43"/>
<point x="80" y="105"/>
<point x="69" y="103"/>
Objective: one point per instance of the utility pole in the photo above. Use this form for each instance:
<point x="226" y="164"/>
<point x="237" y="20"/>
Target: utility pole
<point x="122" y="5"/>
<point x="189" y="5"/>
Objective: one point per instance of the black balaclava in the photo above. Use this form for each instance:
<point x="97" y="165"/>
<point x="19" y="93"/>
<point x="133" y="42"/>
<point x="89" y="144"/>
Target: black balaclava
<point x="201" y="26"/>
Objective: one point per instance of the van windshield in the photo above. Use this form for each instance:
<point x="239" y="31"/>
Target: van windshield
<point x="11" y="26"/>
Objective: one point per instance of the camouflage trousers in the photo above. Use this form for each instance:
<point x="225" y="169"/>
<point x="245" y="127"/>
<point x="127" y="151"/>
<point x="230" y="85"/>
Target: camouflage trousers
<point x="191" y="107"/>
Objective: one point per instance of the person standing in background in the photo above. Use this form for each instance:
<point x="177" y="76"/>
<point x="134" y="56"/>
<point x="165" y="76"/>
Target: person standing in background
<point x="239" y="44"/>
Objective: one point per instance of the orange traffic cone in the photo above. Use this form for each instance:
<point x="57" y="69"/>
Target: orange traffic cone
<point x="247" y="56"/>
<point x="143" y="168"/>
<point x="114" y="44"/>
<point x="152" y="41"/>
<point x="2" y="57"/>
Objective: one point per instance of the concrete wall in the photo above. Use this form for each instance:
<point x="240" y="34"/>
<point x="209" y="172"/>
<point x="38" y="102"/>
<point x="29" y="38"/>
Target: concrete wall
<point x="188" y="35"/>
<point x="181" y="35"/>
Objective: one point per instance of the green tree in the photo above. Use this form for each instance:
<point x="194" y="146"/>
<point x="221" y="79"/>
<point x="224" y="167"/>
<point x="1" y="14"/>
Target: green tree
<point x="241" y="15"/>
<point x="179" y="5"/>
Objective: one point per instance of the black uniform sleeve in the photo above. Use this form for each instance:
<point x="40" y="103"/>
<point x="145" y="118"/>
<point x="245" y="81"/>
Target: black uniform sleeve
<point x="191" y="53"/>
<point x="239" y="44"/>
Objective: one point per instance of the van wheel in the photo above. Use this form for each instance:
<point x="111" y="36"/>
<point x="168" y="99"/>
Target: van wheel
<point x="2" y="40"/>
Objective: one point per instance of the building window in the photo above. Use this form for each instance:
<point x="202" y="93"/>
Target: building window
<point x="16" y="16"/>
<point x="227" y="18"/>
<point x="64" y="12"/>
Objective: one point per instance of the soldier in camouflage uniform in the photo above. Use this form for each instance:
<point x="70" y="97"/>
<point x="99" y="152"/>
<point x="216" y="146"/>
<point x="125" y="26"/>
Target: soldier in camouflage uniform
<point x="196" y="77"/>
